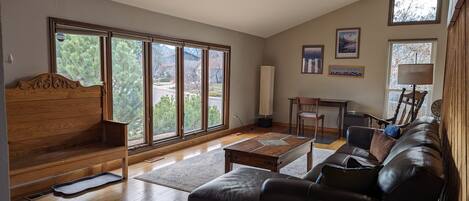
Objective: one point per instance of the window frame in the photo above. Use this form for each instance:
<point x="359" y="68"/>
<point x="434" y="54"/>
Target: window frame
<point x="391" y="16"/>
<point x="106" y="34"/>
<point x="387" y="90"/>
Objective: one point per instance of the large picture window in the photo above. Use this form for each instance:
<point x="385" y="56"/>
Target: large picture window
<point x="128" y="87"/>
<point x="79" y="57"/>
<point x="167" y="89"/>
<point x="408" y="52"/>
<point x="405" y="12"/>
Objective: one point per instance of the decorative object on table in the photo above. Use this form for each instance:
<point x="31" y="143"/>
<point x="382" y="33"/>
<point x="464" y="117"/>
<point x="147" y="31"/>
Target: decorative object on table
<point x="402" y="116"/>
<point x="347" y="43"/>
<point x="353" y="118"/>
<point x="266" y="96"/>
<point x="436" y="108"/>
<point x="415" y="74"/>
<point x="273" y="142"/>
<point x="313" y="59"/>
<point x="308" y="108"/>
<point x="347" y="71"/>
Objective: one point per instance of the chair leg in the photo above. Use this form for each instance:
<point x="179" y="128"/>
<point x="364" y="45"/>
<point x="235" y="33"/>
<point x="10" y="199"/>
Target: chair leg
<point x="322" y="128"/>
<point x="297" y="125"/>
<point x="125" y="167"/>
<point x="316" y="128"/>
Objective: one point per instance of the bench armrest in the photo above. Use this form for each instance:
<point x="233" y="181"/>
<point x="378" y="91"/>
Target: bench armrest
<point x="280" y="189"/>
<point x="360" y="136"/>
<point x="115" y="133"/>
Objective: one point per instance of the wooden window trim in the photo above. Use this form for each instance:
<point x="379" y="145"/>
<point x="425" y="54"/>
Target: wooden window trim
<point x="391" y="16"/>
<point x="106" y="33"/>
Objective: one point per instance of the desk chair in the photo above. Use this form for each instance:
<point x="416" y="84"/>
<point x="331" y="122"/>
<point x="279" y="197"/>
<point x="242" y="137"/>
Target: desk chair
<point x="308" y="108"/>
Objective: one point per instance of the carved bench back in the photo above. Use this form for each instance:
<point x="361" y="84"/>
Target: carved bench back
<point x="51" y="112"/>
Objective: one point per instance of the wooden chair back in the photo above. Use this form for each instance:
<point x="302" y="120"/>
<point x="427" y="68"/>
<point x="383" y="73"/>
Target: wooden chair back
<point x="403" y="116"/>
<point x="51" y="112"/>
<point x="306" y="104"/>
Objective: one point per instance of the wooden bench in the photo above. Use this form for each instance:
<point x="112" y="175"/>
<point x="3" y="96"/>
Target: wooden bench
<point x="55" y="125"/>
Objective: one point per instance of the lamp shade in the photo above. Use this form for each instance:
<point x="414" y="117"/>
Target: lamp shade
<point x="266" y="90"/>
<point x="418" y="74"/>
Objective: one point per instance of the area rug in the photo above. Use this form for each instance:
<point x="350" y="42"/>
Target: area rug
<point x="187" y="175"/>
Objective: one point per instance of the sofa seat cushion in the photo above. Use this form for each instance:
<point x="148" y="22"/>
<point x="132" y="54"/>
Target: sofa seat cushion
<point x="339" y="159"/>
<point x="240" y="184"/>
<point x="356" y="151"/>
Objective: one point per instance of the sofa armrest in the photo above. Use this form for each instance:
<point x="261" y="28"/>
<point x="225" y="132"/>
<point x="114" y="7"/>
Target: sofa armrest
<point x="360" y="136"/>
<point x="277" y="189"/>
<point x="115" y="133"/>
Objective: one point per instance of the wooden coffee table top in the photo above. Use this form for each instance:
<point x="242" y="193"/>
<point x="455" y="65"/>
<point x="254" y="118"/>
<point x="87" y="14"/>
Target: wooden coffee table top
<point x="268" y="144"/>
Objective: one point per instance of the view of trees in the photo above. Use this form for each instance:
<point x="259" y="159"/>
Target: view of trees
<point x="415" y="10"/>
<point x="78" y="57"/>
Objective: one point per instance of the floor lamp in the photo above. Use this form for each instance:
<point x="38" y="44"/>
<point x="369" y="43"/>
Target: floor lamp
<point x="415" y="74"/>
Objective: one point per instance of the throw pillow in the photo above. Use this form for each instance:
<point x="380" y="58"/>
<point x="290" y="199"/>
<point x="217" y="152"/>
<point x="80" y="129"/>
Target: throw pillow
<point x="393" y="131"/>
<point x="381" y="144"/>
<point x="361" y="180"/>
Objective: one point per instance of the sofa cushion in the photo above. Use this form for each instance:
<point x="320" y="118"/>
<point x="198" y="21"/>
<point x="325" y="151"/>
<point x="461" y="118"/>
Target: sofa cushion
<point x="339" y="159"/>
<point x="381" y="144"/>
<point x="358" y="180"/>
<point x="240" y="184"/>
<point x="355" y="151"/>
<point x="417" y="139"/>
<point x="414" y="174"/>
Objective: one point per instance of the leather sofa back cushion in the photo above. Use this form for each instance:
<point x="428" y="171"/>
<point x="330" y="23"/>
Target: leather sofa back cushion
<point x="381" y="144"/>
<point x="417" y="139"/>
<point x="414" y="174"/>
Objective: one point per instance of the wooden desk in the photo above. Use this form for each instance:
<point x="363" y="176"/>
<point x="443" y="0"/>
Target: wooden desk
<point x="339" y="103"/>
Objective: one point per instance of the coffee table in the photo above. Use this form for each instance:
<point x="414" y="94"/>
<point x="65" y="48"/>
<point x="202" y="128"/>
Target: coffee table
<point x="271" y="151"/>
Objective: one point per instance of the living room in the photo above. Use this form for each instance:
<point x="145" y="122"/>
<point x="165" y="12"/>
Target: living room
<point x="233" y="100"/>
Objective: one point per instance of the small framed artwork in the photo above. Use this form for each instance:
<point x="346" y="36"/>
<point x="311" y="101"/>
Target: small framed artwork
<point x="347" y="43"/>
<point x="347" y="71"/>
<point x="313" y="59"/>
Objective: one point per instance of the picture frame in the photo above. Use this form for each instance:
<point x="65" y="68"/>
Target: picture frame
<point x="347" y="43"/>
<point x="312" y="59"/>
<point x="354" y="71"/>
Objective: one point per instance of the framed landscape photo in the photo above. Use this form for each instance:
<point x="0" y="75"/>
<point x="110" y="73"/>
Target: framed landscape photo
<point x="312" y="59"/>
<point x="347" y="43"/>
<point x="347" y="71"/>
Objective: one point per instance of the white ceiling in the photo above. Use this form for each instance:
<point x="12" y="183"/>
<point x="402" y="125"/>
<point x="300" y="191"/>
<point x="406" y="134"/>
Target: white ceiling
<point x="262" y="18"/>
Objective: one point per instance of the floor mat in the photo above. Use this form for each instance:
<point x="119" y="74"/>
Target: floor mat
<point x="83" y="185"/>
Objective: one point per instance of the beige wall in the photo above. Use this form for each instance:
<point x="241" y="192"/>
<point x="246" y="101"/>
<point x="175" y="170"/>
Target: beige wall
<point x="25" y="33"/>
<point x="283" y="50"/>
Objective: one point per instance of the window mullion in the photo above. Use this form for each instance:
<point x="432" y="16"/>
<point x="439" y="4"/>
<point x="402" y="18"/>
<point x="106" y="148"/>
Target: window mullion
<point x="148" y="87"/>
<point x="205" y="89"/>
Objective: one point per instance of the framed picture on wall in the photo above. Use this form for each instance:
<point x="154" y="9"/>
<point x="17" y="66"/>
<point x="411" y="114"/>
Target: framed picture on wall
<point x="347" y="71"/>
<point x="313" y="59"/>
<point x="347" y="44"/>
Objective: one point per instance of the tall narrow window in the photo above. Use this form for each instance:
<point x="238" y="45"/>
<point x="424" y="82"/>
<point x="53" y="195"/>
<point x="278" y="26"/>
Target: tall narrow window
<point x="79" y="57"/>
<point x="128" y="87"/>
<point x="164" y="69"/>
<point x="216" y="64"/>
<point x="414" y="12"/>
<point x="192" y="89"/>
<point x="408" y="52"/>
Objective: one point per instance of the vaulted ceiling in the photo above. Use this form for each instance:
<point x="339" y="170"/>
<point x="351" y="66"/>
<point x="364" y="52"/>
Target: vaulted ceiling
<point x="261" y="18"/>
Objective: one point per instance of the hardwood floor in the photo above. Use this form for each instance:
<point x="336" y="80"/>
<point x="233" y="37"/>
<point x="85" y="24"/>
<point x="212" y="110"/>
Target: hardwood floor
<point x="136" y="190"/>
